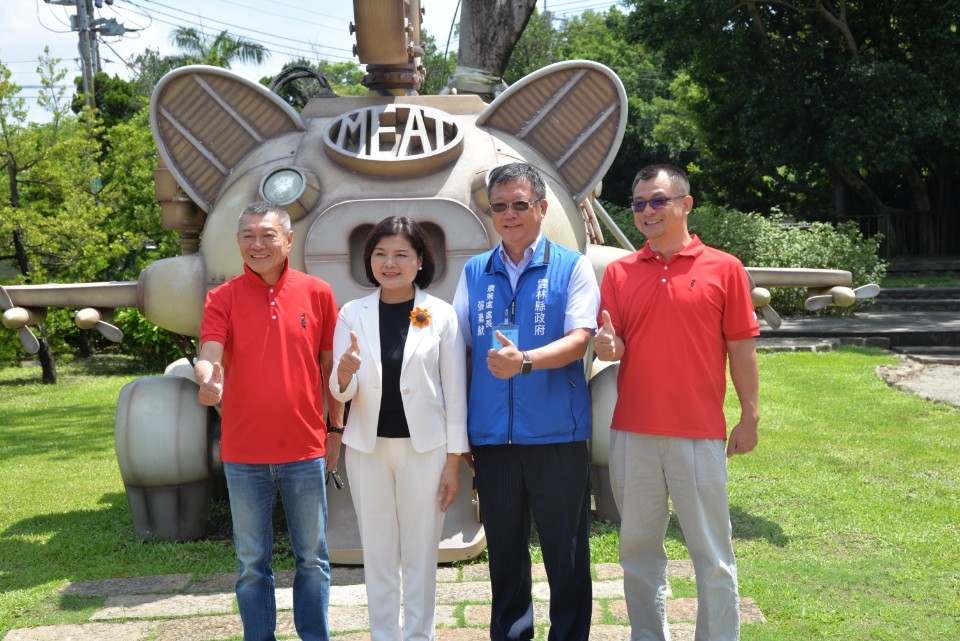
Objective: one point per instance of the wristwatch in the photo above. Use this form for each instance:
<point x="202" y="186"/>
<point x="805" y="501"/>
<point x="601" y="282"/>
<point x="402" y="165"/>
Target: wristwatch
<point x="333" y="429"/>
<point x="527" y="365"/>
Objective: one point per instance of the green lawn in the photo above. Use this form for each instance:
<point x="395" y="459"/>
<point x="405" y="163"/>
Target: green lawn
<point x="846" y="517"/>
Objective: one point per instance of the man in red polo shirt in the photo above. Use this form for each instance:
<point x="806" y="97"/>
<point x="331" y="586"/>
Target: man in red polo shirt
<point x="673" y="314"/>
<point x="266" y="356"/>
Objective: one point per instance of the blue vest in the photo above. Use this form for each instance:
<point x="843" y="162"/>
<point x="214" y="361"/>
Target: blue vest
<point x="545" y="406"/>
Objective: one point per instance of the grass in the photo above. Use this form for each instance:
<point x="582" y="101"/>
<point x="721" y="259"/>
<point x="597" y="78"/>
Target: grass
<point x="846" y="518"/>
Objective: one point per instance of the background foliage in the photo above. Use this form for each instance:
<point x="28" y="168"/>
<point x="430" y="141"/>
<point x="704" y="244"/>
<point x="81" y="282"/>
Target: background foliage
<point x="814" y="113"/>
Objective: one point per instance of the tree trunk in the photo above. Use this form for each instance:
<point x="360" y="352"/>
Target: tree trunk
<point x="489" y="30"/>
<point x="47" y="362"/>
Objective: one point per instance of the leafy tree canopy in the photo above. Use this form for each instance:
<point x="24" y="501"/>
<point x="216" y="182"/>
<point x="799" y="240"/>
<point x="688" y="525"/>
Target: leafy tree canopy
<point x="845" y="105"/>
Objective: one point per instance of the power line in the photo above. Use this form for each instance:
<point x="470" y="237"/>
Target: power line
<point x="199" y="21"/>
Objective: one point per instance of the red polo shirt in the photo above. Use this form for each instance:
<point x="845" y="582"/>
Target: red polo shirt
<point x="675" y="318"/>
<point x="272" y="336"/>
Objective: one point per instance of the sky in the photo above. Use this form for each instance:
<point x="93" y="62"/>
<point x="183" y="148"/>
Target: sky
<point x="289" y="29"/>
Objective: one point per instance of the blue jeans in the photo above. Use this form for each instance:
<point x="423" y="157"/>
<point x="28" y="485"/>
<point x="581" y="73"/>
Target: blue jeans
<point x="253" y="491"/>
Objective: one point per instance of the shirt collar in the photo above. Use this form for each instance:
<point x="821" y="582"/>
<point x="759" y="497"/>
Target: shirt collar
<point x="693" y="249"/>
<point x="254" y="277"/>
<point x="528" y="253"/>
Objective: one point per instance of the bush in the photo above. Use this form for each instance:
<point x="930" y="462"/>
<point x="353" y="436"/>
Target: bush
<point x="768" y="241"/>
<point x="153" y="346"/>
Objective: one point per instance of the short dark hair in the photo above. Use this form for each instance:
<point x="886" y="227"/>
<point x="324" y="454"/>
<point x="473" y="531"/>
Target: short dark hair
<point x="677" y="177"/>
<point x="412" y="231"/>
<point x="261" y="208"/>
<point x="514" y="172"/>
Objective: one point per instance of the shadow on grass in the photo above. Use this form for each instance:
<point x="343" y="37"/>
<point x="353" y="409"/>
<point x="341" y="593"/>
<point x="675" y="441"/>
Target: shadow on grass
<point x="65" y="429"/>
<point x="29" y="372"/>
<point x="745" y="527"/>
<point x="50" y="547"/>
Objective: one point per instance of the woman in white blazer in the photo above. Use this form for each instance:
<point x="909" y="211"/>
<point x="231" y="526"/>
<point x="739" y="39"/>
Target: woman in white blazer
<point x="402" y="363"/>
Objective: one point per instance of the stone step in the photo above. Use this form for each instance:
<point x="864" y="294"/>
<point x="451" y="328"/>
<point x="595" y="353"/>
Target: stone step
<point x="940" y="293"/>
<point x="912" y="304"/>
<point x="188" y="608"/>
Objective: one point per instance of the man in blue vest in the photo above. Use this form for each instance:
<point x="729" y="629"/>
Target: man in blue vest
<point x="527" y="309"/>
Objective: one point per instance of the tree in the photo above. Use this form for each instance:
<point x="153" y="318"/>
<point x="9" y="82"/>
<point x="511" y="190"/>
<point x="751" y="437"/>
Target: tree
<point x="342" y="78"/>
<point x="220" y="51"/>
<point x="117" y="100"/>
<point x="69" y="211"/>
<point x="656" y="127"/>
<point x="149" y="67"/>
<point x="489" y="31"/>
<point x="816" y="107"/>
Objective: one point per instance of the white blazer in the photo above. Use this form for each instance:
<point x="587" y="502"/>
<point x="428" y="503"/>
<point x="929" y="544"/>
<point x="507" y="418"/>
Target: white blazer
<point x="433" y="376"/>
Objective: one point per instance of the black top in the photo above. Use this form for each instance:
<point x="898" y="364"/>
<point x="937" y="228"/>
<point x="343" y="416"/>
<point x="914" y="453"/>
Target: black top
<point x="394" y="323"/>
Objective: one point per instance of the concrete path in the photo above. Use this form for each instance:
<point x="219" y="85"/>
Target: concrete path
<point x="187" y="607"/>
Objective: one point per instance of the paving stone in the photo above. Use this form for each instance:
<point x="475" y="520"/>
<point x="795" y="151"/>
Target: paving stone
<point x="608" y="571"/>
<point x="447" y="615"/>
<point x="479" y="572"/>
<point x="609" y="633"/>
<point x="476" y="615"/>
<point x="448" y="574"/>
<point x="203" y="607"/>
<point x="146" y="606"/>
<point x="132" y="631"/>
<point x="618" y="610"/>
<point x="682" y="569"/>
<point x="346" y="575"/>
<point x="348" y="595"/>
<point x="202" y="628"/>
<point x="348" y="618"/>
<point x="750" y="611"/>
<point x="686" y="610"/>
<point x="464" y="634"/>
<point x="608" y="589"/>
<point x="475" y="592"/>
<point x="116" y="587"/>
<point x="209" y="583"/>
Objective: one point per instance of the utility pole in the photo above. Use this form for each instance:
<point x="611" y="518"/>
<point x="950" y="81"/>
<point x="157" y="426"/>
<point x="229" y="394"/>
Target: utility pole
<point x="88" y="27"/>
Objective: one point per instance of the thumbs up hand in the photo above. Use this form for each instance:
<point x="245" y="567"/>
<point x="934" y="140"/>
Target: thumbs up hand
<point x="506" y="361"/>
<point x="211" y="385"/>
<point x="606" y="343"/>
<point x="350" y="361"/>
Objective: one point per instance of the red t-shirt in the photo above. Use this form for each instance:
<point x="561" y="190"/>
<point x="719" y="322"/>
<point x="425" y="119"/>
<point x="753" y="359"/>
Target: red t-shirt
<point x="675" y="318"/>
<point x="272" y="389"/>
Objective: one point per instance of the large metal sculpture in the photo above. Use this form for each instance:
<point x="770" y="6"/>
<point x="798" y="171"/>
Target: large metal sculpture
<point x="338" y="167"/>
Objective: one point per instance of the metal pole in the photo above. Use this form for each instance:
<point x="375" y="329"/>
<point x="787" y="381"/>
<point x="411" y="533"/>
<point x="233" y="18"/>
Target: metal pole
<point x="84" y="8"/>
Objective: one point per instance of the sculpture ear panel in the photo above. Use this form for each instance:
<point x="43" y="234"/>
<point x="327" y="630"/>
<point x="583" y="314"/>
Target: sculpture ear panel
<point x="205" y="120"/>
<point x="574" y="113"/>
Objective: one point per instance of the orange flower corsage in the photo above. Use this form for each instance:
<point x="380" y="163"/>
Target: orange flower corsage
<point x="420" y="317"/>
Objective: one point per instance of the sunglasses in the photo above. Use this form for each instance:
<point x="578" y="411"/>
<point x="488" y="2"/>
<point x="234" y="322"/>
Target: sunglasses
<point x="655" y="203"/>
<point x="517" y="205"/>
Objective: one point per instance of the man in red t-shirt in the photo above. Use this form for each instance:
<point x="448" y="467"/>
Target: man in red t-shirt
<point x="266" y="353"/>
<point x="673" y="314"/>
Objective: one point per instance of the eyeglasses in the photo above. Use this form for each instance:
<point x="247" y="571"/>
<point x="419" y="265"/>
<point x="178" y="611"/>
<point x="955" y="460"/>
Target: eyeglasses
<point x="655" y="203"/>
<point x="517" y="205"/>
<point x="336" y="479"/>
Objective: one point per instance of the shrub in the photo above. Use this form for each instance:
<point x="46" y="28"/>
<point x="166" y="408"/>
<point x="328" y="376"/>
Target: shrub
<point x="153" y="346"/>
<point x="769" y="241"/>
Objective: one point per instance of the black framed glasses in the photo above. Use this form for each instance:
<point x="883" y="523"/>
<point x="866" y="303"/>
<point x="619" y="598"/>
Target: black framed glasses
<point x="336" y="479"/>
<point x="655" y="203"/>
<point x="517" y="205"/>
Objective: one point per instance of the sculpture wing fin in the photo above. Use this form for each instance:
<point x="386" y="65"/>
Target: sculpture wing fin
<point x="572" y="112"/>
<point x="205" y="120"/>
